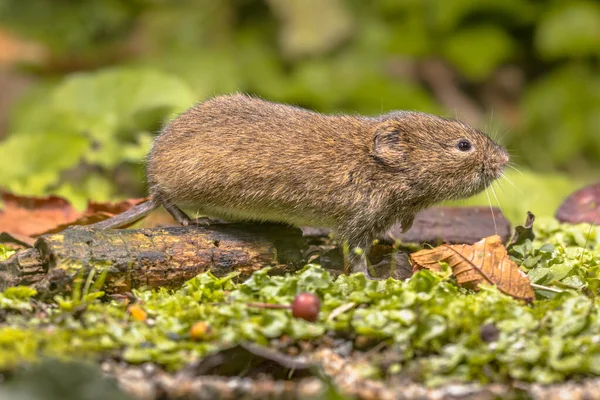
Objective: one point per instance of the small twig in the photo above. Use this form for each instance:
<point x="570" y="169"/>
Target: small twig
<point x="546" y="288"/>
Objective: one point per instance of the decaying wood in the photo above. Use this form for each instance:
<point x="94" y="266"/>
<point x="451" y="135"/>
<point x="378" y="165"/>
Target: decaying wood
<point x="453" y="225"/>
<point x="160" y="257"/>
<point x="437" y="225"/>
<point x="167" y="257"/>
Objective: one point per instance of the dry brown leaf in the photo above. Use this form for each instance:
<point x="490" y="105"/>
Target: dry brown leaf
<point x="26" y="218"/>
<point x="96" y="212"/>
<point x="16" y="49"/>
<point x="483" y="262"/>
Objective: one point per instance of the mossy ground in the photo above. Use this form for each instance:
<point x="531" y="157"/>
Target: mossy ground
<point x="438" y="331"/>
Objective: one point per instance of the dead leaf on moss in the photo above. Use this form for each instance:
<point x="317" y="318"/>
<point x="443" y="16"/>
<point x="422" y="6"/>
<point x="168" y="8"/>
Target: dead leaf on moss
<point x="26" y="218"/>
<point x="483" y="262"/>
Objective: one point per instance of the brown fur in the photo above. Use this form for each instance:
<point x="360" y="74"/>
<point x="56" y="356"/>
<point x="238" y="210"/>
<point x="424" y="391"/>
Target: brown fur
<point x="242" y="158"/>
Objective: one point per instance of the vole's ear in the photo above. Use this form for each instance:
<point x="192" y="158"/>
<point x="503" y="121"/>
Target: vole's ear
<point x="388" y="146"/>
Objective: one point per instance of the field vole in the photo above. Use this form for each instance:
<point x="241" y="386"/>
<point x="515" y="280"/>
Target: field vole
<point x="242" y="158"/>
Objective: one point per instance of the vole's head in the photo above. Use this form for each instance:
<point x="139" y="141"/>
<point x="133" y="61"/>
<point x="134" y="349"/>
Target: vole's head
<point x="442" y="158"/>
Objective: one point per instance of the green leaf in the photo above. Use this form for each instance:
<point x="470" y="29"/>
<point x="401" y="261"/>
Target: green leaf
<point x="558" y="272"/>
<point x="31" y="163"/>
<point x="101" y="117"/>
<point x="59" y="24"/>
<point x="539" y="275"/>
<point x="564" y="105"/>
<point x="431" y="328"/>
<point x="569" y="29"/>
<point x="20" y="293"/>
<point x="111" y="105"/>
<point x="306" y="30"/>
<point x="313" y="278"/>
<point x="273" y="324"/>
<point x="448" y="15"/>
<point x="477" y="51"/>
<point x="117" y="96"/>
<point x="572" y="317"/>
<point x="6" y="252"/>
<point x="547" y="248"/>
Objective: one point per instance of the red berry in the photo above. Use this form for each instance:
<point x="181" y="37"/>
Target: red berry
<point x="306" y="306"/>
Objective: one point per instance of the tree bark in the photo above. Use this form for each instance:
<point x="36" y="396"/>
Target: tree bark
<point x="167" y="257"/>
<point x="160" y="257"/>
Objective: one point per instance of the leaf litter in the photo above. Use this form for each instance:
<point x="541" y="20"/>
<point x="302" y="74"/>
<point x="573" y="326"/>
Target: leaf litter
<point x="486" y="261"/>
<point x="24" y="218"/>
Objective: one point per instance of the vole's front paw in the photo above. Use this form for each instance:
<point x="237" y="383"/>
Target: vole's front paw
<point x="362" y="265"/>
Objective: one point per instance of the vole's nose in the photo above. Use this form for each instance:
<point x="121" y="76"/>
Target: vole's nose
<point x="503" y="156"/>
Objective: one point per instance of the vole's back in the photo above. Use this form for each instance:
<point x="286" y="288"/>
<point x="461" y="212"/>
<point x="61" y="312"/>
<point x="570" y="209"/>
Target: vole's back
<point x="244" y="158"/>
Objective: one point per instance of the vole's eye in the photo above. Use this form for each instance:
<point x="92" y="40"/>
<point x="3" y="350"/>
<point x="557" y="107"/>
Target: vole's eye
<point x="464" y="145"/>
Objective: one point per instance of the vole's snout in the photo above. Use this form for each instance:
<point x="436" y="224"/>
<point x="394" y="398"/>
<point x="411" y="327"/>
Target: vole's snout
<point x="504" y="157"/>
<point x="499" y="161"/>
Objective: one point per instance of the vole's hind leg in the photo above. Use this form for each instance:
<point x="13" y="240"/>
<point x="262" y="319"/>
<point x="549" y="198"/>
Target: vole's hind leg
<point x="179" y="216"/>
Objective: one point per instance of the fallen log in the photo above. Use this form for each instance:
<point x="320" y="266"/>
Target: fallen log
<point x="453" y="225"/>
<point x="437" y="225"/>
<point x="167" y="257"/>
<point x="160" y="257"/>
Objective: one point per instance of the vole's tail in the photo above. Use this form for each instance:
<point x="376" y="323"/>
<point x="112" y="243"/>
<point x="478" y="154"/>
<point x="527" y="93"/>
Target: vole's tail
<point x="126" y="218"/>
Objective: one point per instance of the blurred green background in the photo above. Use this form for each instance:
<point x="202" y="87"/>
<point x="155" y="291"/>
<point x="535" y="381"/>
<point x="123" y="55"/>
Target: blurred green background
<point x="85" y="85"/>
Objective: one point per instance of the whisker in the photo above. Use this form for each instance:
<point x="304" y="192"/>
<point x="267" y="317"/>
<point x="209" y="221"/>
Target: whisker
<point x="502" y="136"/>
<point x="504" y="176"/>
<point x="587" y="239"/>
<point x="496" y="197"/>
<point x="500" y="186"/>
<point x="487" y="193"/>
<point x="509" y="165"/>
<point x="488" y="128"/>
<point x="497" y="137"/>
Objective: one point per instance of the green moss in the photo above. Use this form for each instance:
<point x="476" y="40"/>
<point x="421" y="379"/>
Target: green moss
<point x="5" y="252"/>
<point x="433" y="325"/>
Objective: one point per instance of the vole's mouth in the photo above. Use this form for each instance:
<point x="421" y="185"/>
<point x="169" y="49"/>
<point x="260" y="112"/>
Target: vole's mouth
<point x="494" y="167"/>
<point x="487" y="176"/>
